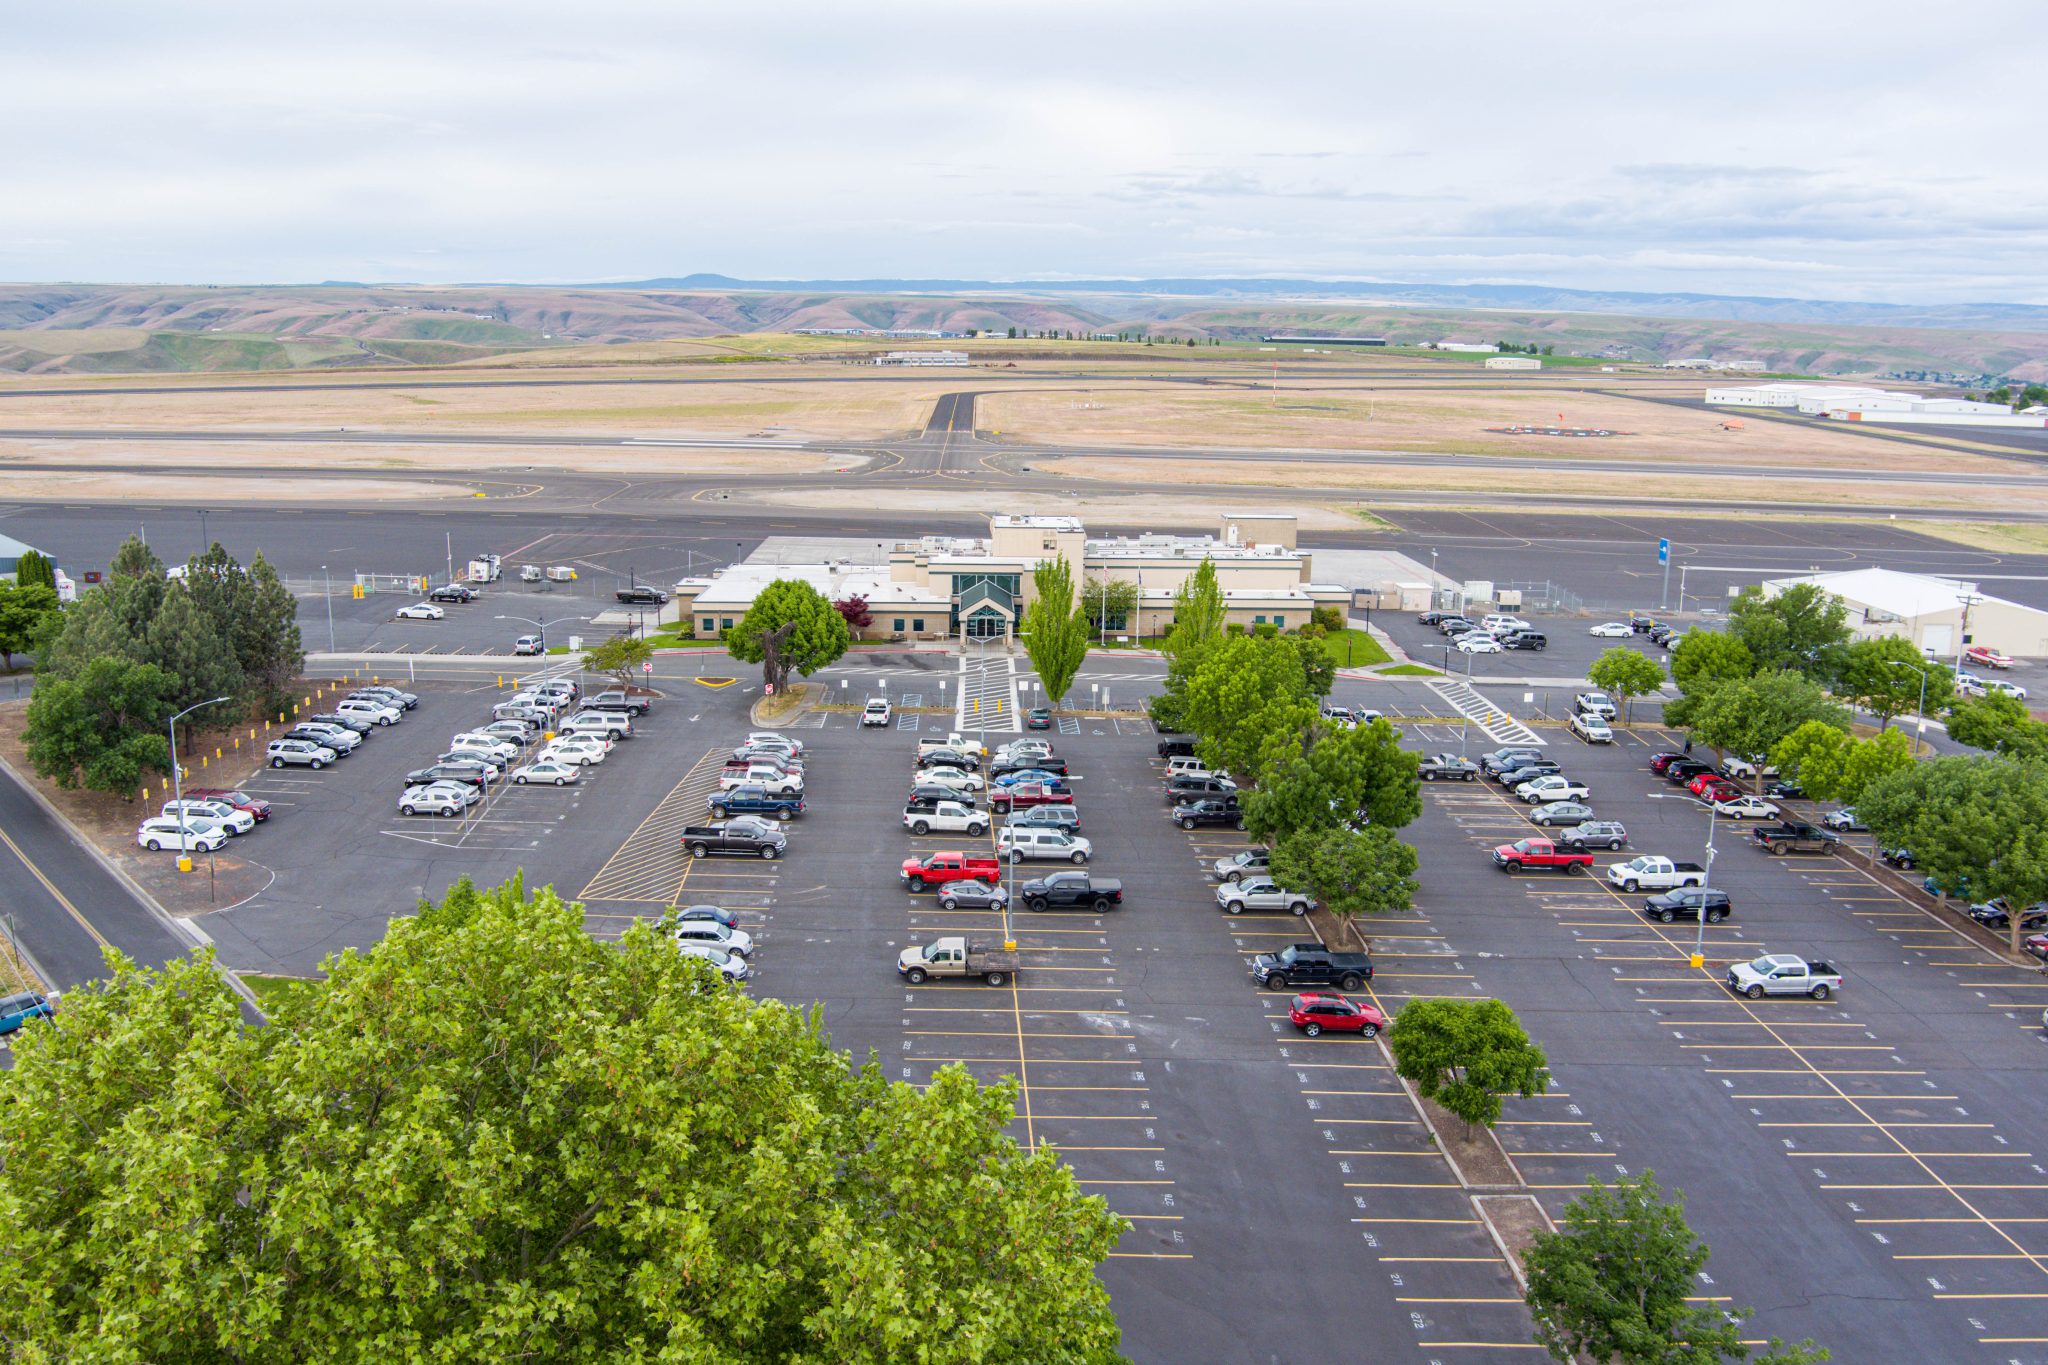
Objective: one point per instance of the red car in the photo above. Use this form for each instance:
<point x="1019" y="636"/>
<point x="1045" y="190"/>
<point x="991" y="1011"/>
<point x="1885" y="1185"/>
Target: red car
<point x="1023" y="795"/>
<point x="1698" y="786"/>
<point x="1316" y="1013"/>
<point x="1659" y="762"/>
<point x="1985" y="655"/>
<point x="258" y="808"/>
<point x="1716" y="789"/>
<point x="2037" y="944"/>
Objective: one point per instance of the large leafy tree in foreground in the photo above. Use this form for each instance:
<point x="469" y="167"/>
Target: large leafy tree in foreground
<point x="491" y="1137"/>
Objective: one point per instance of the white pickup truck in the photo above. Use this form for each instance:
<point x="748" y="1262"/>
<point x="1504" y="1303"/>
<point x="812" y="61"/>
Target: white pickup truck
<point x="966" y="744"/>
<point x="1783" y="974"/>
<point x="1655" y="874"/>
<point x="949" y="817"/>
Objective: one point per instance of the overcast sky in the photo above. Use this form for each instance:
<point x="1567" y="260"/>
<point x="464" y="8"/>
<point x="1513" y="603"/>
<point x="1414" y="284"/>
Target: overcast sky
<point x="1799" y="147"/>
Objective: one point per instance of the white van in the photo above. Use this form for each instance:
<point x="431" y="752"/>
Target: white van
<point x="1018" y="842"/>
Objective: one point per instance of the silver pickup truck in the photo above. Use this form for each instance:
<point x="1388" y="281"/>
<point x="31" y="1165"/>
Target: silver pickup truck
<point x="1783" y="974"/>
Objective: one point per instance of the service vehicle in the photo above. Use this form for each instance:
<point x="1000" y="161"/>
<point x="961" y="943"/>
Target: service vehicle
<point x="743" y="838"/>
<point x="876" y="712"/>
<point x="937" y="869"/>
<point x="1250" y="863"/>
<point x="220" y="812"/>
<point x="530" y="573"/>
<point x="1208" y="811"/>
<point x="432" y="799"/>
<point x="486" y="569"/>
<point x="303" y="751"/>
<point x="1447" y="768"/>
<point x="1653" y="872"/>
<point x="1259" y="892"/>
<point x="1311" y="964"/>
<point x="1595" y="704"/>
<point x="1690" y="902"/>
<point x="22" y="1008"/>
<point x="258" y="809"/>
<point x="1608" y="834"/>
<point x="1019" y="842"/>
<point x="1561" y="813"/>
<point x="955" y="957"/>
<point x="419" y="611"/>
<point x="1552" y="787"/>
<point x="1071" y="891"/>
<point x="1792" y="836"/>
<point x="973" y="895"/>
<point x="560" y="573"/>
<point x="617" y="699"/>
<point x="1783" y="974"/>
<point x="1315" y="1014"/>
<point x="1026" y="794"/>
<point x="192" y="834"/>
<point x="1745" y="808"/>
<point x="552" y="771"/>
<point x="755" y="800"/>
<point x="947" y="817"/>
<point x="1531" y="855"/>
<point x="1590" y="728"/>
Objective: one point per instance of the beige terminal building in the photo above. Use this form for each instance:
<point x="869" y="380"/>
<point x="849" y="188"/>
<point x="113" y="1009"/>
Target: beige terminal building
<point x="944" y="587"/>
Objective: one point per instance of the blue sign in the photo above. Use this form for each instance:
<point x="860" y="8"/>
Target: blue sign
<point x="1663" y="552"/>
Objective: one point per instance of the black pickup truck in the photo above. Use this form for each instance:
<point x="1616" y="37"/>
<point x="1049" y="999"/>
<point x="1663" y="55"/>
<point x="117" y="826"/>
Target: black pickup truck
<point x="1072" y="891"/>
<point x="1311" y="964"/>
<point x="1796" y="837"/>
<point x="744" y="837"/>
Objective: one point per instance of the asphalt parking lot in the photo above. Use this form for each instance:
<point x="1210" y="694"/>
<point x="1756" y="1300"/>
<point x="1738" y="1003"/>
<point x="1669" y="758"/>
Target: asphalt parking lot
<point x="1570" y="652"/>
<point x="1278" y="1185"/>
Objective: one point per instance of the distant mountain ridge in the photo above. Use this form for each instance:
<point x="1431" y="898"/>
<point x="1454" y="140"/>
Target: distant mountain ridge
<point x="1726" y="307"/>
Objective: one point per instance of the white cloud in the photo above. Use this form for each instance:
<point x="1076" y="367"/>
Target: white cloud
<point x="1820" y="148"/>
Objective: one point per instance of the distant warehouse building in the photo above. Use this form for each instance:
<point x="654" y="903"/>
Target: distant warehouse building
<point x="1861" y="403"/>
<point x="1512" y="362"/>
<point x="1941" y="616"/>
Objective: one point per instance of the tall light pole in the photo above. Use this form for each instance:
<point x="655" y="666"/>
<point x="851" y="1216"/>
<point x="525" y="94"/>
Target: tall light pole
<point x="1920" y="712"/>
<point x="177" y="780"/>
<point x="204" y="543"/>
<point x="1699" y="942"/>
<point x="330" y="607"/>
<point x="542" y="626"/>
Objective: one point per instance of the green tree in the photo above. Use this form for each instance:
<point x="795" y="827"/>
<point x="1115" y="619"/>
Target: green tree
<point x="1111" y="605"/>
<point x="266" y="636"/>
<point x="1243" y="692"/>
<point x="1055" y="630"/>
<point x="621" y="657"/>
<point x="1318" y="665"/>
<point x="104" y="728"/>
<point x="491" y="1136"/>
<point x="1746" y="719"/>
<point x="1705" y="659"/>
<point x="1465" y="1055"/>
<point x="1816" y="756"/>
<point x="1999" y="723"/>
<point x="34" y="569"/>
<point x="1198" y="615"/>
<point x="1352" y="872"/>
<point x="1977" y="825"/>
<point x="1327" y="776"/>
<point x="1615" y="1284"/>
<point x="1802" y="628"/>
<point x="1871" y="761"/>
<point x="186" y="643"/>
<point x="1884" y="676"/>
<point x="791" y="628"/>
<point x="29" y="613"/>
<point x="1626" y="674"/>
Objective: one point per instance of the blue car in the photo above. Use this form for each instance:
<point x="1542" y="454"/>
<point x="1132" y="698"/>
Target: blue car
<point x="1053" y="781"/>
<point x="17" y="1010"/>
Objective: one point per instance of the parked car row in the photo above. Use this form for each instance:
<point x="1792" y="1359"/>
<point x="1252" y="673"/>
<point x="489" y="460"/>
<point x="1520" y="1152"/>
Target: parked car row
<point x="1489" y="635"/>
<point x="202" y="820"/>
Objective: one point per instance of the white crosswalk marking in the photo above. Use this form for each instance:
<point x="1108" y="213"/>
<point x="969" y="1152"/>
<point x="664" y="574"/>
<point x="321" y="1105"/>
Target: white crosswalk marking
<point x="1497" y="723"/>
<point x="987" y="696"/>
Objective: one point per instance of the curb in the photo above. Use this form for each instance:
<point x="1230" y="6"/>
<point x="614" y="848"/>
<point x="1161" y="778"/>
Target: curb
<point x="179" y="929"/>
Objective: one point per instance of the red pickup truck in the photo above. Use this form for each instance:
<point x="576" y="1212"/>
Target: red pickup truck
<point x="1524" y="854"/>
<point x="940" y="868"/>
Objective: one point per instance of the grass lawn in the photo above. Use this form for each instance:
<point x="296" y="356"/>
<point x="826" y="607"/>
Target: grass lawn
<point x="663" y="640"/>
<point x="1355" y="649"/>
<point x="1408" y="671"/>
<point x="276" y="991"/>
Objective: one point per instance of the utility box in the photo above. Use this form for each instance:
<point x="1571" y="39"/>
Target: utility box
<point x="1508" y="599"/>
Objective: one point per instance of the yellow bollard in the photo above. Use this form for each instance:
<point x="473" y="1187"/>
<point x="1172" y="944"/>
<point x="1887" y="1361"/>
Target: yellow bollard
<point x="1699" y="960"/>
<point x="238" y="742"/>
<point x="202" y="760"/>
<point x="501" y="680"/>
<point x="280" y="718"/>
<point x="216" y="751"/>
<point x="184" y="862"/>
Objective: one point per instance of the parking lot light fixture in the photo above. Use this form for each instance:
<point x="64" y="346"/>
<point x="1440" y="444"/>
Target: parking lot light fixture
<point x="177" y="782"/>
<point x="1699" y="943"/>
<point x="1920" y="711"/>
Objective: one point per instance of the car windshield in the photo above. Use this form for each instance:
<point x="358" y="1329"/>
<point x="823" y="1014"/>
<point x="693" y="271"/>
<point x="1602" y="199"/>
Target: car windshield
<point x="1285" y="955"/>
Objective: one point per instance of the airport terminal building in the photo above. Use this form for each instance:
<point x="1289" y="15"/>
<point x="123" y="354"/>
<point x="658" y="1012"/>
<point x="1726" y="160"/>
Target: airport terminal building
<point x="945" y="587"/>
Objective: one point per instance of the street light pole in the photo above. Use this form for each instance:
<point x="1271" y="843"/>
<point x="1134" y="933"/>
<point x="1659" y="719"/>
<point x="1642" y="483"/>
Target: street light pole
<point x="177" y="780"/>
<point x="329" y="580"/>
<point x="1920" y="712"/>
<point x="1699" y="942"/>
<point x="204" y="543"/>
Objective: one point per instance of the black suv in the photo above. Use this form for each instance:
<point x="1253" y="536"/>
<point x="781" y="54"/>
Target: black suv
<point x="641" y="595"/>
<point x="452" y="592"/>
<point x="472" y="773"/>
<point x="1526" y="772"/>
<point x="1686" y="902"/>
<point x="1210" y="812"/>
<point x="1311" y="964"/>
<point x="1177" y="746"/>
<point x="1525" y="639"/>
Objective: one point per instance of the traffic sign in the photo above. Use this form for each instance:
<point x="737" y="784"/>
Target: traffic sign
<point x="1663" y="552"/>
<point x="647" y="666"/>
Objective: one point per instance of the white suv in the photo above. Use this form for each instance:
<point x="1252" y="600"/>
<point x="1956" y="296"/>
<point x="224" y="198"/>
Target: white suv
<point x="1018" y="842"/>
<point x="504" y="750"/>
<point x="364" y="709"/>
<point x="283" y="751"/>
<point x="197" y="834"/>
<point x="220" y="812"/>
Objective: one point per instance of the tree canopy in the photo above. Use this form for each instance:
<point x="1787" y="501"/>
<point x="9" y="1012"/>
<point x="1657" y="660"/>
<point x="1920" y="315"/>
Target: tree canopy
<point x="1615" y="1284"/>
<point x="1055" y="631"/>
<point x="1999" y="723"/>
<point x="1746" y="718"/>
<point x="28" y="615"/>
<point x="1326" y="776"/>
<point x="1243" y="692"/>
<point x="1353" y="872"/>
<point x="492" y="1136"/>
<point x="790" y="628"/>
<point x="621" y="657"/>
<point x="1976" y="824"/>
<point x="1111" y="604"/>
<point x="1466" y="1054"/>
<point x="1884" y="676"/>
<point x="34" y="570"/>
<point x="1802" y="628"/>
<point x="103" y="728"/>
<point x="1835" y="766"/>
<point x="1626" y="674"/>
